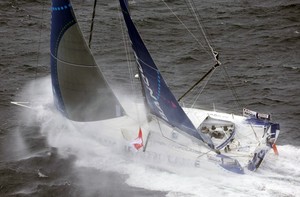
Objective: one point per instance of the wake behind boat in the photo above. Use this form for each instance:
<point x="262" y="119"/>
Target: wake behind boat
<point x="201" y="137"/>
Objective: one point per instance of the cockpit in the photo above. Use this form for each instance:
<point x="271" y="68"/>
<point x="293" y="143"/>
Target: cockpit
<point x="220" y="131"/>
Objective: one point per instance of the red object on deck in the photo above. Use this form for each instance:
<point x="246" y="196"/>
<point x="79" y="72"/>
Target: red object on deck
<point x="138" y="142"/>
<point x="275" y="149"/>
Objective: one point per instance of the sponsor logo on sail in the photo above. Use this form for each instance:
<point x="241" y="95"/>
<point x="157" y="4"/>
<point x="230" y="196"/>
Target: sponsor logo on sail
<point x="147" y="86"/>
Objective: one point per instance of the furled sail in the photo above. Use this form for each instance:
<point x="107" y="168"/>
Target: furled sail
<point x="160" y="100"/>
<point x="80" y="91"/>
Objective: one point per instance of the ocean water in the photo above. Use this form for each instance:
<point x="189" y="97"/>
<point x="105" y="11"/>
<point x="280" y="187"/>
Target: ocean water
<point x="258" y="42"/>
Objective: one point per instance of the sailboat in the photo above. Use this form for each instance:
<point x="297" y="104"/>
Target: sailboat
<point x="82" y="94"/>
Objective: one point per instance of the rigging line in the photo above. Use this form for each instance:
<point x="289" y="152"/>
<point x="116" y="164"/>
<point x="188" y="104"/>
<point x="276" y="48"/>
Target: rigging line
<point x="203" y="88"/>
<point x="203" y="26"/>
<point x="128" y="58"/>
<point x="92" y="23"/>
<point x="129" y="65"/>
<point x="230" y="85"/>
<point x="197" y="16"/>
<point x="185" y="27"/>
<point x="192" y="12"/>
<point x="255" y="134"/>
<point x="147" y="64"/>
<point x="133" y="82"/>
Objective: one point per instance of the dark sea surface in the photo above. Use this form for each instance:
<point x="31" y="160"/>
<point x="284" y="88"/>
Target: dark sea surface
<point x="258" y="43"/>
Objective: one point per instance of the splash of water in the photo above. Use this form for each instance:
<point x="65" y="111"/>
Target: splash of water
<point x="95" y="148"/>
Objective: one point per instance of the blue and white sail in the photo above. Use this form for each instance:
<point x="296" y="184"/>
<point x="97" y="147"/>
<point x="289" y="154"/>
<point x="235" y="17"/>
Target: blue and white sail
<point x="160" y="100"/>
<point x="80" y="90"/>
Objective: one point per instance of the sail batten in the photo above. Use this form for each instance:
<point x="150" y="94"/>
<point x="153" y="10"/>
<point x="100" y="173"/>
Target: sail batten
<point x="160" y="100"/>
<point x="80" y="90"/>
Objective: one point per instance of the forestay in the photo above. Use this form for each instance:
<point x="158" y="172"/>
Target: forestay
<point x="160" y="100"/>
<point x="80" y="91"/>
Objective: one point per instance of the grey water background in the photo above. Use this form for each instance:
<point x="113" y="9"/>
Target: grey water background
<point x="258" y="42"/>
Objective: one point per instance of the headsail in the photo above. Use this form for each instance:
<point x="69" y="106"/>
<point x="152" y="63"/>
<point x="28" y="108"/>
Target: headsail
<point x="161" y="102"/>
<point x="80" y="91"/>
